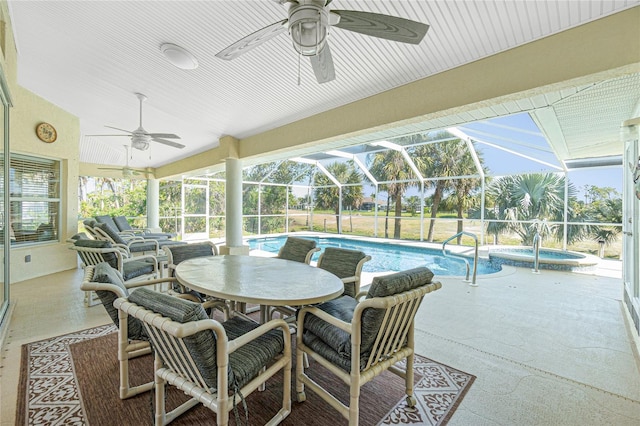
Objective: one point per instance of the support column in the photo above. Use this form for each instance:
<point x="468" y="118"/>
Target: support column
<point x="233" y="199"/>
<point x="153" y="203"/>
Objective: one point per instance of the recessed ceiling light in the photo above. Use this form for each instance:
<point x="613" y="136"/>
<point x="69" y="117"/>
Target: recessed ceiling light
<point x="179" y="57"/>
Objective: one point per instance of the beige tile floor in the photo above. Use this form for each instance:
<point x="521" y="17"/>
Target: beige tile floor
<point x="547" y="349"/>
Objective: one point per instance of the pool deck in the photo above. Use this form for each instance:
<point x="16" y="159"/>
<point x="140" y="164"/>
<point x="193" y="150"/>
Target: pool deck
<point x="550" y="348"/>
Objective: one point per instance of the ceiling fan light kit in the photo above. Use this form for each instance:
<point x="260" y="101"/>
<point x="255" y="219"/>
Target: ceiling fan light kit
<point x="179" y="57"/>
<point x="308" y="28"/>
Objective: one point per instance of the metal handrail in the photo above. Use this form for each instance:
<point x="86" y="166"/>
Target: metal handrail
<point x="475" y="256"/>
<point x="536" y="252"/>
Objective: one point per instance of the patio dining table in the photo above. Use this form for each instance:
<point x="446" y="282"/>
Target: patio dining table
<point x="259" y="280"/>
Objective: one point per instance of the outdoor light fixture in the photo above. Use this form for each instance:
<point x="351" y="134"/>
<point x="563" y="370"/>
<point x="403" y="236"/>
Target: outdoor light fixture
<point x="308" y="27"/>
<point x="179" y="56"/>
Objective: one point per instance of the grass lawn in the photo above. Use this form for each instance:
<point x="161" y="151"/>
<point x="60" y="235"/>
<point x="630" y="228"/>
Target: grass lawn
<point x="362" y="224"/>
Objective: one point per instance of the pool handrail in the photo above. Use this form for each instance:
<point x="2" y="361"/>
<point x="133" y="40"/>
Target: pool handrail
<point x="536" y="252"/>
<point x="475" y="256"/>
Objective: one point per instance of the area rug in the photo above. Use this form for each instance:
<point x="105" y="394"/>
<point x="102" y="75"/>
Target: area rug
<point x="73" y="379"/>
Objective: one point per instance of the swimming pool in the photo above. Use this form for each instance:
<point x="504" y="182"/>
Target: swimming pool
<point x="386" y="256"/>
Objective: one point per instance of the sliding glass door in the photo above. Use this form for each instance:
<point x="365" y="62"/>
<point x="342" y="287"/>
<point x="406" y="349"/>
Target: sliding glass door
<point x="5" y="229"/>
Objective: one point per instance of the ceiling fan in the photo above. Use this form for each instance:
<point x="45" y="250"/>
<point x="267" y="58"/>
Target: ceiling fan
<point x="308" y="25"/>
<point x="127" y="171"/>
<point x="140" y="138"/>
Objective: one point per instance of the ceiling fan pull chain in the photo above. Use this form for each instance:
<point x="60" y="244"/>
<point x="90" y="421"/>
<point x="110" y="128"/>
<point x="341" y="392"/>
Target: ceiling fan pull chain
<point x="299" y="60"/>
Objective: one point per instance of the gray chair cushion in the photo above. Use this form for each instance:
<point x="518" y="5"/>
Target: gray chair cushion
<point x="111" y="233"/>
<point x="180" y="253"/>
<point x="318" y="331"/>
<point x="169" y="243"/>
<point x="111" y="258"/>
<point x="123" y="225"/>
<point x="80" y="236"/>
<point x="136" y="268"/>
<point x="81" y="242"/>
<point x="89" y="222"/>
<point x="106" y="219"/>
<point x="333" y="343"/>
<point x="103" y="273"/>
<point x="342" y="263"/>
<point x="137" y="247"/>
<point x="245" y="363"/>
<point x="399" y="282"/>
<point x="296" y="249"/>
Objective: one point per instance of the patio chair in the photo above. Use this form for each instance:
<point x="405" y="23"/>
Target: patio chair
<point x="298" y="250"/>
<point x="218" y="364"/>
<point x="108" y="284"/>
<point x="346" y="264"/>
<point x="93" y="252"/>
<point x="123" y="225"/>
<point x="358" y="340"/>
<point x="178" y="254"/>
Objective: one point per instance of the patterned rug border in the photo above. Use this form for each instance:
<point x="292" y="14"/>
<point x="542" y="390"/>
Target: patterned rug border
<point x="439" y="392"/>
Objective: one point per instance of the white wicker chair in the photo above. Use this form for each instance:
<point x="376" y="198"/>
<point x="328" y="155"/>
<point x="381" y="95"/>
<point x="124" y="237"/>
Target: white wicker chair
<point x="376" y="333"/>
<point x="206" y="359"/>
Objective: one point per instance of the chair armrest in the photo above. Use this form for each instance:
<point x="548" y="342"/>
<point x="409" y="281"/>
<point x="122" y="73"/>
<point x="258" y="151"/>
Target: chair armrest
<point x="263" y="329"/>
<point x="347" y="280"/>
<point x="136" y="284"/>
<point x="142" y="258"/>
<point x="342" y="325"/>
<point x="143" y="241"/>
<point x="124" y="249"/>
<point x="361" y="294"/>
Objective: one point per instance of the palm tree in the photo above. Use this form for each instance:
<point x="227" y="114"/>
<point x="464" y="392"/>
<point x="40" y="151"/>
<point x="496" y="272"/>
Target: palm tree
<point x="536" y="198"/>
<point x="450" y="158"/>
<point x="327" y="195"/>
<point x="390" y="166"/>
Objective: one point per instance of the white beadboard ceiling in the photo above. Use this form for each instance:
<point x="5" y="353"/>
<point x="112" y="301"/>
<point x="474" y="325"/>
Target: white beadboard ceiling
<point x="90" y="57"/>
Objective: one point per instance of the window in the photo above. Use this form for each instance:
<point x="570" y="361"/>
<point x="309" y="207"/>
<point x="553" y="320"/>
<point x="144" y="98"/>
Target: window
<point x="34" y="199"/>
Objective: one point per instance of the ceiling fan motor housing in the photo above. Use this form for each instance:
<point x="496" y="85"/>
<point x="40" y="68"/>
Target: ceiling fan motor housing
<point x="140" y="139"/>
<point x="308" y="24"/>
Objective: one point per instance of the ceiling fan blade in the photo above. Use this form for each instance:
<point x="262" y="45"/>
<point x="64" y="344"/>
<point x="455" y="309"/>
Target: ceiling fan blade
<point x="120" y="136"/>
<point x="122" y="130"/>
<point x="166" y="142"/>
<point x="252" y="40"/>
<point x="164" y="135"/>
<point x="322" y="65"/>
<point x="382" y="26"/>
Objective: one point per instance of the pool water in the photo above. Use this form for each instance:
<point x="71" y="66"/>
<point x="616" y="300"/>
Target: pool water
<point x="386" y="256"/>
<point x="543" y="254"/>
